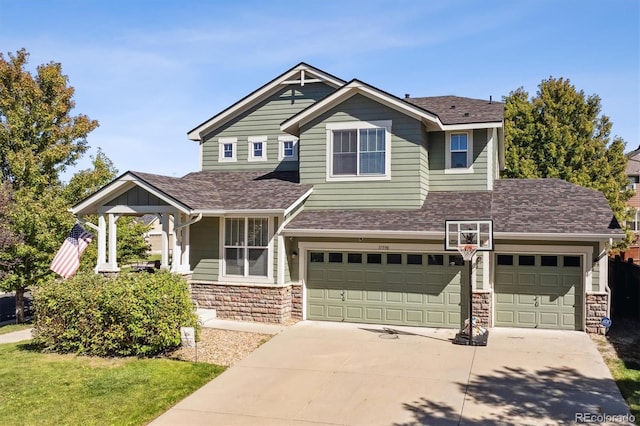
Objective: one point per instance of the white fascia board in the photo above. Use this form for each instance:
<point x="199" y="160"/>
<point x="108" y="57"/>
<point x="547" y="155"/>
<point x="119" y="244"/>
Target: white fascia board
<point x="362" y="233"/>
<point x="548" y="236"/>
<point x="292" y="125"/>
<point x="471" y="126"/>
<point x="297" y="202"/>
<point x="197" y="133"/>
<point x="239" y="212"/>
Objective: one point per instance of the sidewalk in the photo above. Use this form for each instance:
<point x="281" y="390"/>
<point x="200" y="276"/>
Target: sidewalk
<point x="16" y="336"/>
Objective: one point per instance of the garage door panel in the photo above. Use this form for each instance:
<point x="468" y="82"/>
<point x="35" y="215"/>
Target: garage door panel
<point x="435" y="299"/>
<point x="415" y="316"/>
<point x="374" y="296"/>
<point x="354" y="295"/>
<point x="354" y="313"/>
<point x="393" y="315"/>
<point x="423" y="294"/>
<point x="373" y="314"/>
<point x="393" y="297"/>
<point x="335" y="275"/>
<point x="549" y="280"/>
<point x="525" y="279"/>
<point x="416" y="298"/>
<point x="335" y="313"/>
<point x="554" y="302"/>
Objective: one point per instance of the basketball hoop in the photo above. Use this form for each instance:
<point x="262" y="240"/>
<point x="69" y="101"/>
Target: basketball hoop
<point x="467" y="251"/>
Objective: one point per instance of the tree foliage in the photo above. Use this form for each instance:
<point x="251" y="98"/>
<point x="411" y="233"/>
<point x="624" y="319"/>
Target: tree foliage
<point x="8" y="238"/>
<point x="561" y="133"/>
<point x="39" y="137"/>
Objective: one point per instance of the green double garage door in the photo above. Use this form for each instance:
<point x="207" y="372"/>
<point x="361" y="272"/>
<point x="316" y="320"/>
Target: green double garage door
<point x="539" y="291"/>
<point x="385" y="288"/>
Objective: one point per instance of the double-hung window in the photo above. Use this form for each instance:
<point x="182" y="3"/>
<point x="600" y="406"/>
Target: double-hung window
<point x="257" y="148"/>
<point x="246" y="247"/>
<point x="459" y="151"/>
<point x="288" y="150"/>
<point x="359" y="150"/>
<point x="227" y="149"/>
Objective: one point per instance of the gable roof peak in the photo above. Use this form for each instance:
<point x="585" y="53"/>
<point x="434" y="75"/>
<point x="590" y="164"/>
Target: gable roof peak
<point x="317" y="75"/>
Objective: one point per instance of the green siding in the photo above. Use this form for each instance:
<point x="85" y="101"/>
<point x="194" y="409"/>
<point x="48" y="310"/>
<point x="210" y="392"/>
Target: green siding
<point x="404" y="190"/>
<point x="136" y="197"/>
<point x="424" y="167"/>
<point x="205" y="249"/>
<point x="440" y="181"/>
<point x="262" y="120"/>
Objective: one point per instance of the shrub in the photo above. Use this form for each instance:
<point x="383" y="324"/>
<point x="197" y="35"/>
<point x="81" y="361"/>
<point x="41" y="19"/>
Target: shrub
<point x="131" y="314"/>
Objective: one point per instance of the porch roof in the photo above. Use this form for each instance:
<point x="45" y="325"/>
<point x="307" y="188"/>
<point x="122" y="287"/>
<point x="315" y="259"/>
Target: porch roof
<point x="207" y="192"/>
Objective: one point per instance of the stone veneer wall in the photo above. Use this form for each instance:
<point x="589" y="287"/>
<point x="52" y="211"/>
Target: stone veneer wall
<point x="482" y="307"/>
<point x="296" y="302"/>
<point x="248" y="303"/>
<point x="596" y="309"/>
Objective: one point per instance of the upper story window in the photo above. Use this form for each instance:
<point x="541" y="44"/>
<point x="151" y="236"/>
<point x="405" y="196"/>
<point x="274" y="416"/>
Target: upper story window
<point x="257" y="148"/>
<point x="359" y="150"/>
<point x="227" y="149"/>
<point x="288" y="149"/>
<point x="634" y="180"/>
<point x="459" y="152"/>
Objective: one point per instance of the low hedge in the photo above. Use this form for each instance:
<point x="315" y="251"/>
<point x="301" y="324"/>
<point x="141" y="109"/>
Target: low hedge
<point x="130" y="314"/>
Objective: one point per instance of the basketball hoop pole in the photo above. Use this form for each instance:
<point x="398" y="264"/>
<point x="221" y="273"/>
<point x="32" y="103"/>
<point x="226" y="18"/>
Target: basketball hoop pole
<point x="470" y="274"/>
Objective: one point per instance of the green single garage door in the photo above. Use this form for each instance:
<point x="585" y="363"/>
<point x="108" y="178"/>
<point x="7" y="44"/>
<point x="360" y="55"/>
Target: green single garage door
<point x="538" y="291"/>
<point x="384" y="288"/>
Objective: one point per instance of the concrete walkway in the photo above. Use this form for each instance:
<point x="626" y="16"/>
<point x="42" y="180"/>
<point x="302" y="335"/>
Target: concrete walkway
<point x="16" y="336"/>
<point x="354" y="374"/>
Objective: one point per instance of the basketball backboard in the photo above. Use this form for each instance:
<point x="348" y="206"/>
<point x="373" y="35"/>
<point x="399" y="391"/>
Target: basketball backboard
<point x="478" y="233"/>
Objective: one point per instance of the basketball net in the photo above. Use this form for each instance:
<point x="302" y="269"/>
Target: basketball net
<point x="467" y="251"/>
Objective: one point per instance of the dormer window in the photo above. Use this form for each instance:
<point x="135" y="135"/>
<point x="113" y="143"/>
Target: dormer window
<point x="359" y="150"/>
<point x="227" y="151"/>
<point x="257" y="148"/>
<point x="459" y="152"/>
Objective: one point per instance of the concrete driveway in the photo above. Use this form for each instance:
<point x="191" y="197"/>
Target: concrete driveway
<point x="357" y="374"/>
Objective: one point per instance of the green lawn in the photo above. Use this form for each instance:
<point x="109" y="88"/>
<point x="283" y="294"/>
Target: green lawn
<point x="10" y="328"/>
<point x="52" y="389"/>
<point x="628" y="381"/>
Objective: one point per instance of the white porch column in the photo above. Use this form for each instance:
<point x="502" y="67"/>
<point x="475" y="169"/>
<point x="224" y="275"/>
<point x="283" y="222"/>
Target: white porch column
<point x="176" y="232"/>
<point x="102" y="244"/>
<point x="113" y="239"/>
<point x="165" y="219"/>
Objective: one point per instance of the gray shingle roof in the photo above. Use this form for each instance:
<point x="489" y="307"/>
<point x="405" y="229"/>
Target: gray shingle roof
<point x="230" y="190"/>
<point x="458" y="110"/>
<point x="515" y="205"/>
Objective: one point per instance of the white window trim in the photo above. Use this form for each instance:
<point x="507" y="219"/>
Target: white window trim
<point x="246" y="279"/>
<point x="221" y="144"/>
<point x="281" y="141"/>
<point x="252" y="140"/>
<point x="357" y="125"/>
<point x="447" y="159"/>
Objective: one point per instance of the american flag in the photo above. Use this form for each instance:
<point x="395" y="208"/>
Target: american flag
<point x="67" y="260"/>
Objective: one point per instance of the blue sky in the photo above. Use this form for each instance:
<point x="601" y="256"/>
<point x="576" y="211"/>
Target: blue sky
<point x="149" y="71"/>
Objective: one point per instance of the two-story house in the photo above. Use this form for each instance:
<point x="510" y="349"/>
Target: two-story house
<point x="633" y="174"/>
<point x="323" y="199"/>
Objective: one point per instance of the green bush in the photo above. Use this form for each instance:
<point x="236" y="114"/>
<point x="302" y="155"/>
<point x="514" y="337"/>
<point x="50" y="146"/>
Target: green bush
<point x="131" y="314"/>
